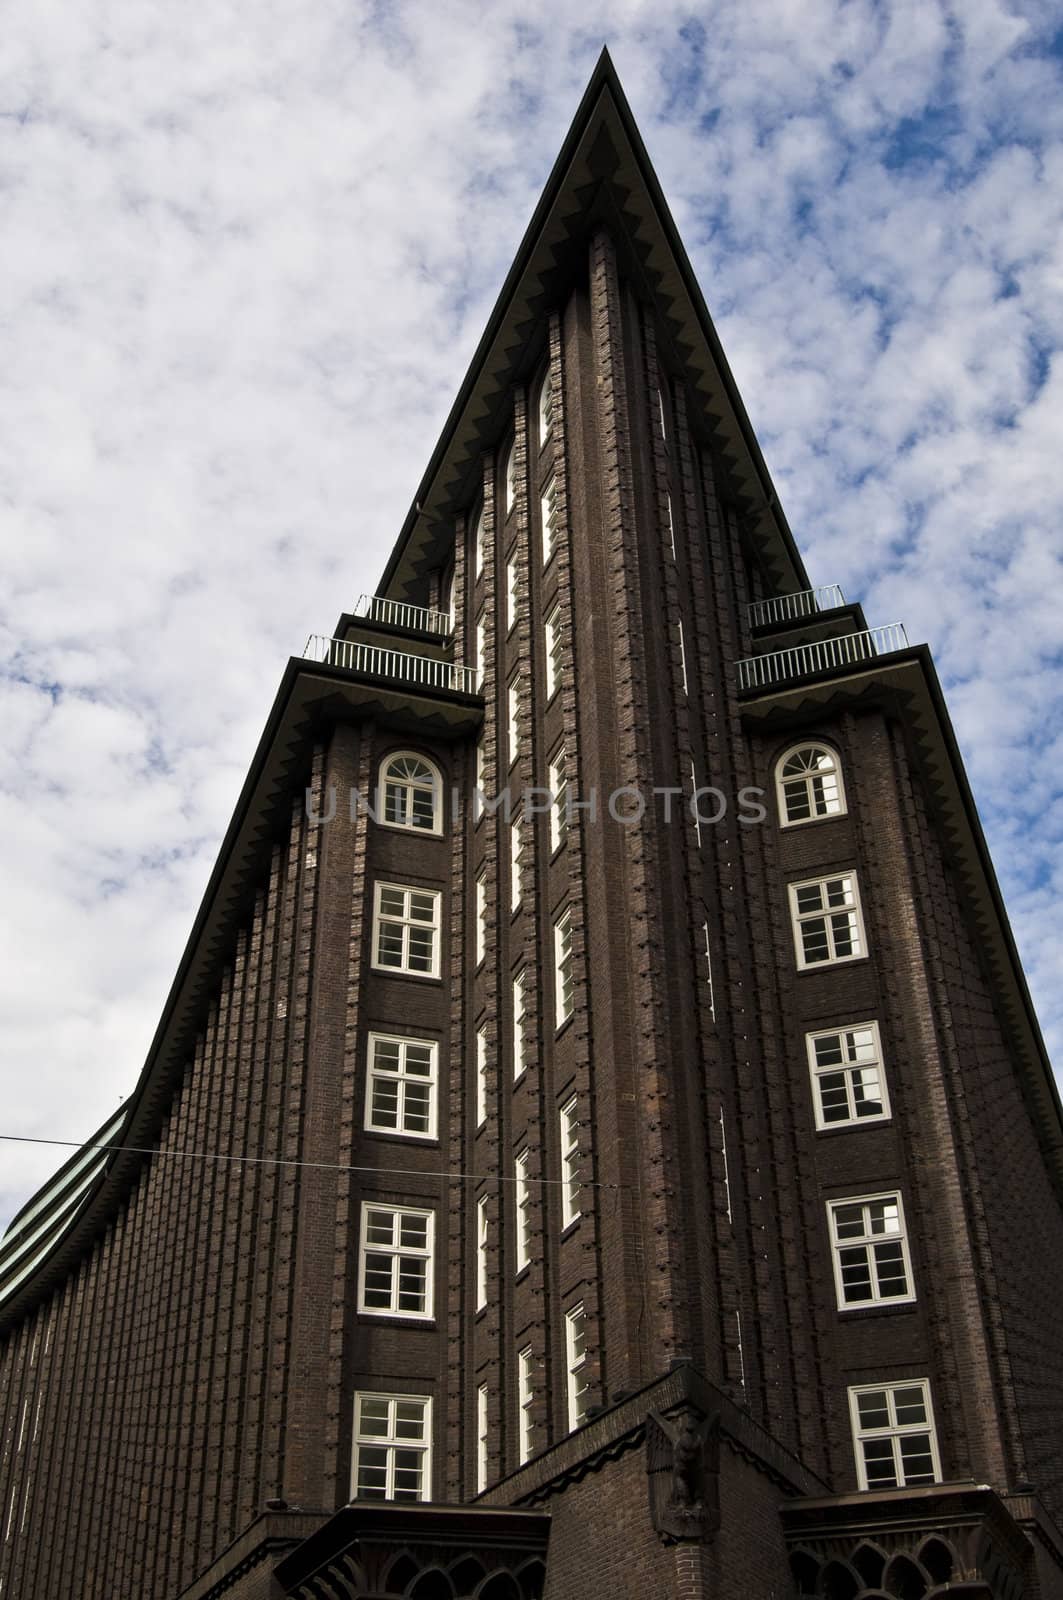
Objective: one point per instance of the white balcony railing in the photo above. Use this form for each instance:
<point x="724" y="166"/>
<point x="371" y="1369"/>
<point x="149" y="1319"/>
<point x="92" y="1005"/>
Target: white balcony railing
<point x="825" y="655"/>
<point x="427" y="671"/>
<point x="792" y="607"/>
<point x="374" y="608"/>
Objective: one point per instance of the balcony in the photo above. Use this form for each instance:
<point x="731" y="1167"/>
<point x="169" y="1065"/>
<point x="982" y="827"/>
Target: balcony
<point x="393" y="666"/>
<point x="397" y="614"/>
<point x="822" y="656"/>
<point x="788" y="608"/>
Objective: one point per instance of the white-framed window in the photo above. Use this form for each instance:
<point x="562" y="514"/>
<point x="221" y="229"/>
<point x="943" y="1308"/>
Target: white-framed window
<point x="513" y="720"/>
<point x="555" y="641"/>
<point x="478" y="541"/>
<point x="516" y="852"/>
<point x="563" y="981"/>
<point x="481" y="1076"/>
<point x="395" y="1263"/>
<point x="481" y="918"/>
<point x="576" y="1366"/>
<point x="410" y="793"/>
<point x="570" y="1161"/>
<point x="446" y="594"/>
<point x="682" y="657"/>
<point x="545" y="405"/>
<point x="481" y="772"/>
<point x="406" y="924"/>
<point x="893" y="1435"/>
<point x="671" y="525"/>
<point x="871" y="1262"/>
<point x="848" y="1076"/>
<point x="482" y="1437"/>
<point x="511" y="478"/>
<point x="512" y="592"/>
<point x="548" y="517"/>
<point x="482" y="1227"/>
<point x="392" y="1447"/>
<point x="660" y="413"/>
<point x="525" y="1401"/>
<point x="522" y="1190"/>
<point x="559" y="800"/>
<point x="481" y="650"/>
<point x="401" y="1087"/>
<point x="808" y="784"/>
<point x="520" y="1025"/>
<point x="828" y="926"/>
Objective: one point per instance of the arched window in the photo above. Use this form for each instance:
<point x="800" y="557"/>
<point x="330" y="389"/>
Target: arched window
<point x="511" y="477"/>
<point x="808" y="780"/>
<point x="546" y="406"/>
<point x="411" y="794"/>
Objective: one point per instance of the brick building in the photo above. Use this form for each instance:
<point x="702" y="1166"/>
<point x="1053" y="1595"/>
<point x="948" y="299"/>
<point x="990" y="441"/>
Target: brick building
<point x="646" y="1182"/>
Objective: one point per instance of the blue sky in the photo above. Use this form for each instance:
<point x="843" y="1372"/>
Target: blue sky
<point x="248" y="253"/>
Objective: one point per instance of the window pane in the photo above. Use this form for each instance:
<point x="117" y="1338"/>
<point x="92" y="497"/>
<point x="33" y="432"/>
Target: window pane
<point x="879" y="1464"/>
<point x="917" y="1462"/>
<point x="873" y="1409"/>
<point x="910" y="1406"/>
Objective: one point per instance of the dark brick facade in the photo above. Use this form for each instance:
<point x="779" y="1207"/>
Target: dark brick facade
<point x="178" y="1400"/>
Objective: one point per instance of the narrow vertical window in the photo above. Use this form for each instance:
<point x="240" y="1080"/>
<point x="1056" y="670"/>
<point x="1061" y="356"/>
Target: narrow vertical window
<point x="828" y="926"/>
<point x="481" y="1076"/>
<point x="660" y="413"/>
<point x="481" y="918"/>
<point x="512" y="592"/>
<point x="576" y="1366"/>
<point x="511" y="477"/>
<point x="563" y="984"/>
<point x="558" y="801"/>
<point x="520" y="1042"/>
<point x="682" y="657"/>
<point x="870" y="1247"/>
<point x="893" y="1435"/>
<point x="478" y="542"/>
<point x="548" y="516"/>
<point x="546" y="406"/>
<point x="481" y="772"/>
<point x="401" y="1087"/>
<point x="570" y="1162"/>
<point x="513" y="720"/>
<point x="848" y="1076"/>
<point x="516" y="848"/>
<point x="554" y="649"/>
<point x="392" y="1447"/>
<point x="481" y="1252"/>
<point x="525" y="1401"/>
<point x="481" y="650"/>
<point x="481" y="1438"/>
<point x="671" y="527"/>
<point x="694" y="806"/>
<point x="523" y="1198"/>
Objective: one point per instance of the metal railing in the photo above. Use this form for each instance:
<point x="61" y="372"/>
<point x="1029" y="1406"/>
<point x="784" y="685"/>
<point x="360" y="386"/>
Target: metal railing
<point x="792" y="607"/>
<point x="825" y="655"/>
<point x="427" y="671"/>
<point x="397" y="614"/>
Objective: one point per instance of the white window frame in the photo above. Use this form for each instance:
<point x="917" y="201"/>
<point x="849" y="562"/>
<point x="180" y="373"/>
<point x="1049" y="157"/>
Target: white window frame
<point x="894" y="1432"/>
<point x="409" y="786"/>
<point x="483" y="1234"/>
<point x="478" y="540"/>
<point x="516" y="851"/>
<point x="575" y="1364"/>
<point x="511" y="477"/>
<point x="481" y="649"/>
<point x="571" y="1162"/>
<point x="548" y="518"/>
<point x="520" y="1024"/>
<point x="480" y="778"/>
<point x="555" y="638"/>
<point x="827" y="815"/>
<point x="558" y="800"/>
<point x="660" y="413"/>
<point x="512" y="592"/>
<point x="513" y="720"/>
<point x="564" y="981"/>
<point x="522" y="1194"/>
<point x="482" y="1438"/>
<point x="671" y="525"/>
<point x="392" y="1443"/>
<point x="682" y="657"/>
<point x="525" y="1402"/>
<point x="799" y="919"/>
<point x="481" y="1075"/>
<point x="867" y="1243"/>
<point x="481" y="917"/>
<point x="848" y="1068"/>
<point x="398" y="1253"/>
<point x="545" y="405"/>
<point x="406" y="923"/>
<point x="401" y="1077"/>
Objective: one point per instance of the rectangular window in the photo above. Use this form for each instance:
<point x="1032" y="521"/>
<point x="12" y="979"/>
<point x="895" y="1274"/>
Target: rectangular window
<point x="392" y="1447"/>
<point x="478" y="542"/>
<point x="671" y="526"/>
<point x="406" y="929"/>
<point x="570" y="1162"/>
<point x="554" y="645"/>
<point x="848" y="1077"/>
<point x="559" y="801"/>
<point x="893" y="1435"/>
<point x="576" y="1366"/>
<point x="481" y="1438"/>
<point x="525" y="1401"/>
<point x="513" y="720"/>
<point x="481" y="651"/>
<point x="481" y="918"/>
<point x="682" y="658"/>
<point x="548" y="513"/>
<point x="563" y="984"/>
<point x="827" y="923"/>
<point x="871" y="1262"/>
<point x="395" y="1266"/>
<point x="481" y="769"/>
<point x="520" y="1038"/>
<point x="481" y="1252"/>
<point x="660" y="413"/>
<point x="516" y="848"/>
<point x="401" y="1090"/>
<point x="512" y="592"/>
<point x="481" y="1077"/>
<point x="523" y="1197"/>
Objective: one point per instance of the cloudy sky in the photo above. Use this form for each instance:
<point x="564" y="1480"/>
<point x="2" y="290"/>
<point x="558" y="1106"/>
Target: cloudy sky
<point x="248" y="251"/>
